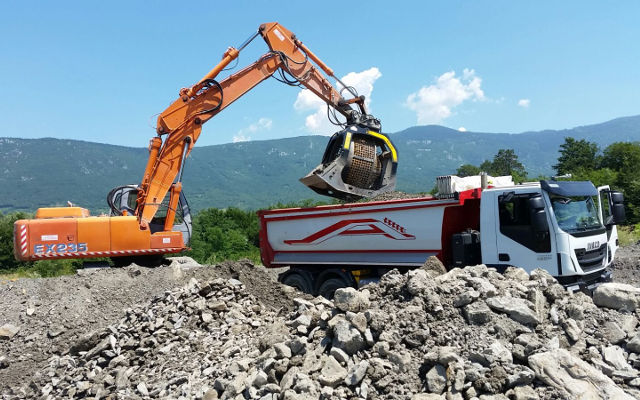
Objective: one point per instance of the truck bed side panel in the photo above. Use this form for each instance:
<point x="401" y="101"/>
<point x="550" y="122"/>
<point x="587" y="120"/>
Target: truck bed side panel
<point x="392" y="233"/>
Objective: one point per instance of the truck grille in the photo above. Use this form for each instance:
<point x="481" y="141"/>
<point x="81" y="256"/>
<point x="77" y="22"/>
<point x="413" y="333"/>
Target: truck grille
<point x="590" y="260"/>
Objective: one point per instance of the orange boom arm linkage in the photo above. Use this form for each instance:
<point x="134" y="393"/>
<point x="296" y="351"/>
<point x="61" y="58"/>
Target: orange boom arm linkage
<point x="182" y="121"/>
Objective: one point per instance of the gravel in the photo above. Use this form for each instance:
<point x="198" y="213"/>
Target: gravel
<point x="232" y="332"/>
<point x="52" y="314"/>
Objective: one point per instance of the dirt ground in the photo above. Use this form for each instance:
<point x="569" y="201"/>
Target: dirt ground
<point x="627" y="265"/>
<point x="53" y="312"/>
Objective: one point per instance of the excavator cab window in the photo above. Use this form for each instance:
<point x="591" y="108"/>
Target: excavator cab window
<point x="131" y="202"/>
<point x="158" y="219"/>
<point x="123" y="199"/>
<point x="181" y="222"/>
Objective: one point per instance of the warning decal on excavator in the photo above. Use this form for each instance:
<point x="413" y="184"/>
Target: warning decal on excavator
<point x="278" y="34"/>
<point x="49" y="238"/>
<point x="366" y="226"/>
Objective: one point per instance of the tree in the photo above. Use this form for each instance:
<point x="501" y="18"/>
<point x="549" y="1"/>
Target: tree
<point x="7" y="260"/>
<point x="599" y="177"/>
<point x="505" y="162"/>
<point x="467" y="170"/>
<point x="622" y="156"/>
<point x="577" y="155"/>
<point x="228" y="234"/>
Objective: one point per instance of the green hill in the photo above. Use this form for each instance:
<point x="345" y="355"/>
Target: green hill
<point x="47" y="172"/>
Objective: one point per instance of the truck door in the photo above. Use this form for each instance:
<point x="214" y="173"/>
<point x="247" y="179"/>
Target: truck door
<point x="523" y="238"/>
<point x="606" y="216"/>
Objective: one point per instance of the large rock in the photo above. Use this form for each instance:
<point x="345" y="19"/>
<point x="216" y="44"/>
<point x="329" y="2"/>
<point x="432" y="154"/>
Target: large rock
<point x="477" y="313"/>
<point x="434" y="266"/>
<point x="524" y="393"/>
<point x="466" y="297"/>
<point x="7" y="331"/>
<point x="99" y="348"/>
<point x="332" y="372"/>
<point x="436" y="379"/>
<point x="419" y="282"/>
<point x="356" y="373"/>
<point x="518" y="309"/>
<point x="614" y="333"/>
<point x="572" y="329"/>
<point x="346" y="337"/>
<point x="518" y="274"/>
<point x="426" y="396"/>
<point x="573" y="377"/>
<point x="634" y="344"/>
<point x="615" y="357"/>
<point x="482" y="285"/>
<point x="497" y="352"/>
<point x="350" y="299"/>
<point x="282" y="350"/>
<point x="617" y="296"/>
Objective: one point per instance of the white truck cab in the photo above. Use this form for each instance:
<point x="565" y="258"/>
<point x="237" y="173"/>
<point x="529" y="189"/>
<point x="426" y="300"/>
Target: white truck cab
<point x="566" y="228"/>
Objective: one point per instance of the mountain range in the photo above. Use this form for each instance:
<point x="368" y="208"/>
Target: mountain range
<point x="47" y="172"/>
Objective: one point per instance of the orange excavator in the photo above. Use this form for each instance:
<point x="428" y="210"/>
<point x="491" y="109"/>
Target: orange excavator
<point x="153" y="218"/>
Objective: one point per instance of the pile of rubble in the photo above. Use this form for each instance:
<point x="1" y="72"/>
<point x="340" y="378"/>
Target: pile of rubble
<point x="465" y="334"/>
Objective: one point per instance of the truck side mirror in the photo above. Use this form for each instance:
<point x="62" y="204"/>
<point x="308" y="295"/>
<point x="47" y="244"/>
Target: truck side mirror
<point x="536" y="203"/>
<point x="538" y="214"/>
<point x="617" y="208"/>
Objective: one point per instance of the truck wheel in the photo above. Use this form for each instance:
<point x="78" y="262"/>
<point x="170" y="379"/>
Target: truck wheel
<point x="298" y="281"/>
<point x="329" y="287"/>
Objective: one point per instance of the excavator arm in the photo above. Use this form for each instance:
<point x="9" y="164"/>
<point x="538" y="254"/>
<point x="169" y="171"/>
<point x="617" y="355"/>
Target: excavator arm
<point x="182" y="123"/>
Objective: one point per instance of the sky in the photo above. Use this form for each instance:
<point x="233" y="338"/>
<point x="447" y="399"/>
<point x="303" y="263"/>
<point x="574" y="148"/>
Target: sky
<point x="102" y="71"/>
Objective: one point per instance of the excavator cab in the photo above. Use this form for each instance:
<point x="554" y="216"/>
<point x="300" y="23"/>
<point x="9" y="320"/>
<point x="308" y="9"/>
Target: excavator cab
<point x="122" y="200"/>
<point x="358" y="162"/>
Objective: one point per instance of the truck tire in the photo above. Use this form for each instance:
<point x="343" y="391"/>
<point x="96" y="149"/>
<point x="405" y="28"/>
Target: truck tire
<point x="329" y="287"/>
<point x="298" y="280"/>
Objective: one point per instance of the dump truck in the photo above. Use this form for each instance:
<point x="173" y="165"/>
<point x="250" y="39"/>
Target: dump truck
<point x="151" y="219"/>
<point x="567" y="228"/>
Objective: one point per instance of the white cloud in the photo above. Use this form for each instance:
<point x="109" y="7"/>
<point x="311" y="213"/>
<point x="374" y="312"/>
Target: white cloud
<point x="241" y="138"/>
<point x="263" y="124"/>
<point x="317" y="122"/>
<point x="462" y="129"/>
<point x="436" y="102"/>
<point x="524" y="103"/>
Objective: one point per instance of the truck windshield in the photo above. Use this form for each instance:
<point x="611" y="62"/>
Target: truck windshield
<point x="576" y="213"/>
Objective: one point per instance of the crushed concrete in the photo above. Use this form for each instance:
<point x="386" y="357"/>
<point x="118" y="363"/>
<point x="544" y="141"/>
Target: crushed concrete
<point x="232" y="332"/>
<point x="53" y="313"/>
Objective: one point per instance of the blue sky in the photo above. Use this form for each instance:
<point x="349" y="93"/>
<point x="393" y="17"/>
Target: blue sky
<point x="101" y="71"/>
